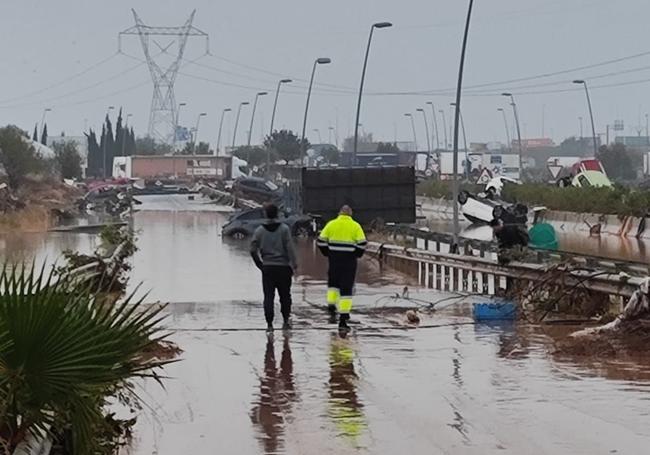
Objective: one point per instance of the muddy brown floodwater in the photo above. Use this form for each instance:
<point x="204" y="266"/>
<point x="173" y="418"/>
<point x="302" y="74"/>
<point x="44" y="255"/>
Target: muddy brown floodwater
<point x="607" y="246"/>
<point x="450" y="387"/>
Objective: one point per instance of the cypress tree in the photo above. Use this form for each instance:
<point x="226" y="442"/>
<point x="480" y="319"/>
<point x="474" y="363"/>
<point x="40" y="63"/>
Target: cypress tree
<point x="35" y="135"/>
<point x="94" y="155"/>
<point x="44" y="135"/>
<point x="120" y="145"/>
<point x="102" y="151"/>
<point x="110" y="146"/>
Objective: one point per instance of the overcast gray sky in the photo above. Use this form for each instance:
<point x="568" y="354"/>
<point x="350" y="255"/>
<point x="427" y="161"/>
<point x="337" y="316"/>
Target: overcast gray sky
<point x="45" y="43"/>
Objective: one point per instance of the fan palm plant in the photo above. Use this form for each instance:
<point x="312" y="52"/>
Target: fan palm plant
<point x="63" y="353"/>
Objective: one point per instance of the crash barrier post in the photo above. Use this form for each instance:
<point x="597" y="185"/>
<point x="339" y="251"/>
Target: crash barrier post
<point x="488" y="249"/>
<point x="476" y="275"/>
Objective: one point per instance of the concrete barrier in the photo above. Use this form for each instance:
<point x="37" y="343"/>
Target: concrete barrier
<point x="564" y="222"/>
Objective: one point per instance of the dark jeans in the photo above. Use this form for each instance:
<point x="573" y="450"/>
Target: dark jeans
<point x="276" y="277"/>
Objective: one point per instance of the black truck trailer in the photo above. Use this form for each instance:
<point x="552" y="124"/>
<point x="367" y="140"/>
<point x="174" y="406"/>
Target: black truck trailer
<point x="381" y="193"/>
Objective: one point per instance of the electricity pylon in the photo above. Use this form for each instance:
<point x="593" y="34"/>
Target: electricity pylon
<point x="163" y="119"/>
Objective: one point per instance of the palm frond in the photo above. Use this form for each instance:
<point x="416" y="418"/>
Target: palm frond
<point x="62" y="349"/>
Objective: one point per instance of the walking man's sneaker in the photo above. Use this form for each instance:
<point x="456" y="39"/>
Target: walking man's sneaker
<point x="269" y="328"/>
<point x="287" y="325"/>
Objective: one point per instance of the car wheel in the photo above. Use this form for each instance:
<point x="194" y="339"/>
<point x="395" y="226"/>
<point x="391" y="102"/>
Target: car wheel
<point x="463" y="197"/>
<point x="302" y="231"/>
<point x="239" y="234"/>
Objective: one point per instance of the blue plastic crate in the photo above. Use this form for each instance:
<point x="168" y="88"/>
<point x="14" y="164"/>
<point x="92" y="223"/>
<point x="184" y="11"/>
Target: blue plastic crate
<point x="503" y="310"/>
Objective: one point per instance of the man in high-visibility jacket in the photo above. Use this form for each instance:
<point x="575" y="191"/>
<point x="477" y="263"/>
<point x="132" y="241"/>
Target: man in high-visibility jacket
<point x="343" y="242"/>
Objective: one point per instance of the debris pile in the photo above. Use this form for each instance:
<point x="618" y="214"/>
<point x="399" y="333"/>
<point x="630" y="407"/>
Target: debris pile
<point x="554" y="296"/>
<point x="116" y="201"/>
<point x="37" y="205"/>
<point x="107" y="269"/>
<point x="628" y="333"/>
<point x="222" y="197"/>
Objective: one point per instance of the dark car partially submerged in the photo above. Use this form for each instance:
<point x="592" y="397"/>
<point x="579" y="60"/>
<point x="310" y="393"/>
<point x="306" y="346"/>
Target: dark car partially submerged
<point x="244" y="223"/>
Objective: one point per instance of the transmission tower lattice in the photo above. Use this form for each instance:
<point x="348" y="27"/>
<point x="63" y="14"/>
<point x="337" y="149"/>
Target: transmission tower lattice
<point x="163" y="119"/>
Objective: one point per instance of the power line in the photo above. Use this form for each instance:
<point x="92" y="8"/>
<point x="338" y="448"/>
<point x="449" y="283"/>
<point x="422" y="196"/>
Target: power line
<point x="108" y="95"/>
<point x="261" y="70"/>
<point x="594" y="77"/>
<point x="343" y="90"/>
<point x="61" y="82"/>
<point x="76" y="91"/>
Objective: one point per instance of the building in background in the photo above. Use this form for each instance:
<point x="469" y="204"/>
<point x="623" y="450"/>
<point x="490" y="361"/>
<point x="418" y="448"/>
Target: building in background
<point x="178" y="166"/>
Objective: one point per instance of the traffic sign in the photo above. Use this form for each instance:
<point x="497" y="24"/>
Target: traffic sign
<point x="485" y="177"/>
<point x="555" y="169"/>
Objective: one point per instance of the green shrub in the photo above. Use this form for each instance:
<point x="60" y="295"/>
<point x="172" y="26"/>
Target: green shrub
<point x="610" y="201"/>
<point x="617" y="201"/>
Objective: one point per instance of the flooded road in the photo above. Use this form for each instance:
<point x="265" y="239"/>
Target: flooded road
<point x="606" y="246"/>
<point x="448" y="387"/>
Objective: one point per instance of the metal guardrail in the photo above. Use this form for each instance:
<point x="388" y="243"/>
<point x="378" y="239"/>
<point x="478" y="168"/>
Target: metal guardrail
<point x="481" y="275"/>
<point x="441" y="242"/>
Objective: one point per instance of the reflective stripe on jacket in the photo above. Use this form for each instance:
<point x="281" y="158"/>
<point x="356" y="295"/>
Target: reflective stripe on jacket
<point x="342" y="235"/>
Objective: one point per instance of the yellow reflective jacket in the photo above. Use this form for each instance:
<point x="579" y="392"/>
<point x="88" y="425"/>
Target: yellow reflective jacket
<point x="342" y="236"/>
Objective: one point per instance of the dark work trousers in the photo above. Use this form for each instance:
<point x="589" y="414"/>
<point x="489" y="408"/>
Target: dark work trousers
<point x="342" y="273"/>
<point x="276" y="277"/>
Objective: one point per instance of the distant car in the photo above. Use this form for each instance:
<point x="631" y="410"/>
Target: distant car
<point x="595" y="179"/>
<point x="258" y="189"/>
<point x="495" y="186"/>
<point x="243" y="224"/>
<point x="483" y="208"/>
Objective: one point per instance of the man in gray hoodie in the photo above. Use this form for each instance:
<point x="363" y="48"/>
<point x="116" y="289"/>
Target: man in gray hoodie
<point x="273" y="252"/>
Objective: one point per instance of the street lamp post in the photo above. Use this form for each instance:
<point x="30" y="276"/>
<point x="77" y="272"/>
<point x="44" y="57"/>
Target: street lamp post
<point x="462" y="124"/>
<point x="444" y="127"/>
<point x="318" y="61"/>
<point x="250" y="130"/>
<point x="45" y="111"/>
<point x="415" y="137"/>
<point x="330" y="130"/>
<point x="110" y="108"/>
<point x="435" y="123"/>
<point x="363" y="77"/>
<point x="196" y="131"/>
<point x="459" y="88"/>
<point x="234" y="135"/>
<point x="516" y="114"/>
<point x="426" y="128"/>
<point x="591" y="113"/>
<point x="505" y="122"/>
<point x="223" y="113"/>
<point x="275" y="104"/>
<point x="275" y="107"/>
<point x="178" y="115"/>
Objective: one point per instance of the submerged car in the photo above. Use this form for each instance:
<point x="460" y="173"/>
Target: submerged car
<point x="243" y="224"/>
